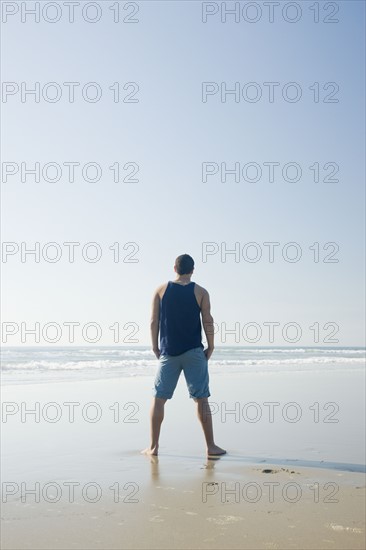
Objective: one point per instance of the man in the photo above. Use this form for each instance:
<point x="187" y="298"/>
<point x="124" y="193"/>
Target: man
<point x="176" y="310"/>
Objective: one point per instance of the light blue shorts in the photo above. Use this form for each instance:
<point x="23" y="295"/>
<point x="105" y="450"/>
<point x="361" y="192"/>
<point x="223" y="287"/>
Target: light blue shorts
<point x="195" y="368"/>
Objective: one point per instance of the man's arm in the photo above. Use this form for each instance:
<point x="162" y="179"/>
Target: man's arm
<point x="154" y="323"/>
<point x="207" y="321"/>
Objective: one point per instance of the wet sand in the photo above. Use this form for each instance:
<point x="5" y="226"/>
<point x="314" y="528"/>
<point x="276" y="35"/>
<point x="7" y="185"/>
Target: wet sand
<point x="283" y="484"/>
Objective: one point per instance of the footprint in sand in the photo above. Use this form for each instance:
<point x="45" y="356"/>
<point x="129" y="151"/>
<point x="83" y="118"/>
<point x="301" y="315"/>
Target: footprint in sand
<point x="273" y="471"/>
<point x="156" y="519"/>
<point x="225" y="520"/>
<point x="336" y="527"/>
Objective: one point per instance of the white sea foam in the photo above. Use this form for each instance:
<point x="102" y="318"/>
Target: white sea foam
<point x="75" y="365"/>
<point x="43" y="364"/>
<point x="298" y="361"/>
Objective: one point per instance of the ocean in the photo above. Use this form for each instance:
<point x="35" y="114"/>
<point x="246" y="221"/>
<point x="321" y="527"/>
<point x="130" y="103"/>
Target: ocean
<point x="34" y="365"/>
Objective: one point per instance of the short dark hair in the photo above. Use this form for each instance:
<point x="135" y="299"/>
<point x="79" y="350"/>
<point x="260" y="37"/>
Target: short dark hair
<point x="184" y="264"/>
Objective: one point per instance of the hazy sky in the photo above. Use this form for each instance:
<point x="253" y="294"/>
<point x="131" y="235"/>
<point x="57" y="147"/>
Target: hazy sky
<point x="161" y="132"/>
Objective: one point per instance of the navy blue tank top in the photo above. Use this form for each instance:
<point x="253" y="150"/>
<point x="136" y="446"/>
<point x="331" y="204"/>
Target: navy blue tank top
<point x="180" y="322"/>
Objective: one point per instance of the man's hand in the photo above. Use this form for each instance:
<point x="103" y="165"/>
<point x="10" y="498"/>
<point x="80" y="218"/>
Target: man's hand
<point x="208" y="352"/>
<point x="157" y="352"/>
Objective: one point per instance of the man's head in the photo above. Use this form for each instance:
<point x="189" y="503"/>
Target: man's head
<point x="184" y="265"/>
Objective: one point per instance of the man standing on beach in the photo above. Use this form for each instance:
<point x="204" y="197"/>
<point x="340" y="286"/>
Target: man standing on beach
<point x="176" y="309"/>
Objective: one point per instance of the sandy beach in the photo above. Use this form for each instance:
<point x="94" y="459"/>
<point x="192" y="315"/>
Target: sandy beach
<point x="79" y="481"/>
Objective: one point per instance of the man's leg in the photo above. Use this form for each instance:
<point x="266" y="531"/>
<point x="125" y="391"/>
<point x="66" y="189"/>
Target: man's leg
<point x="166" y="380"/>
<point x="195" y="368"/>
<point x="156" y="418"/>
<point x="205" y="417"/>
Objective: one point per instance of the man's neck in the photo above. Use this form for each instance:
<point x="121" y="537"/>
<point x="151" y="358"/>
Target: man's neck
<point x="184" y="280"/>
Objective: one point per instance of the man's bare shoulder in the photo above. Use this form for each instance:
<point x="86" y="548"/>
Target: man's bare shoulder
<point x="200" y="289"/>
<point x="160" y="289"/>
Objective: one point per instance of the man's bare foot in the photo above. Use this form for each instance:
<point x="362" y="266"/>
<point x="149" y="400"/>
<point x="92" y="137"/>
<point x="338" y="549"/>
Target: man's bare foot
<point x="214" y="450"/>
<point x="150" y="451"/>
